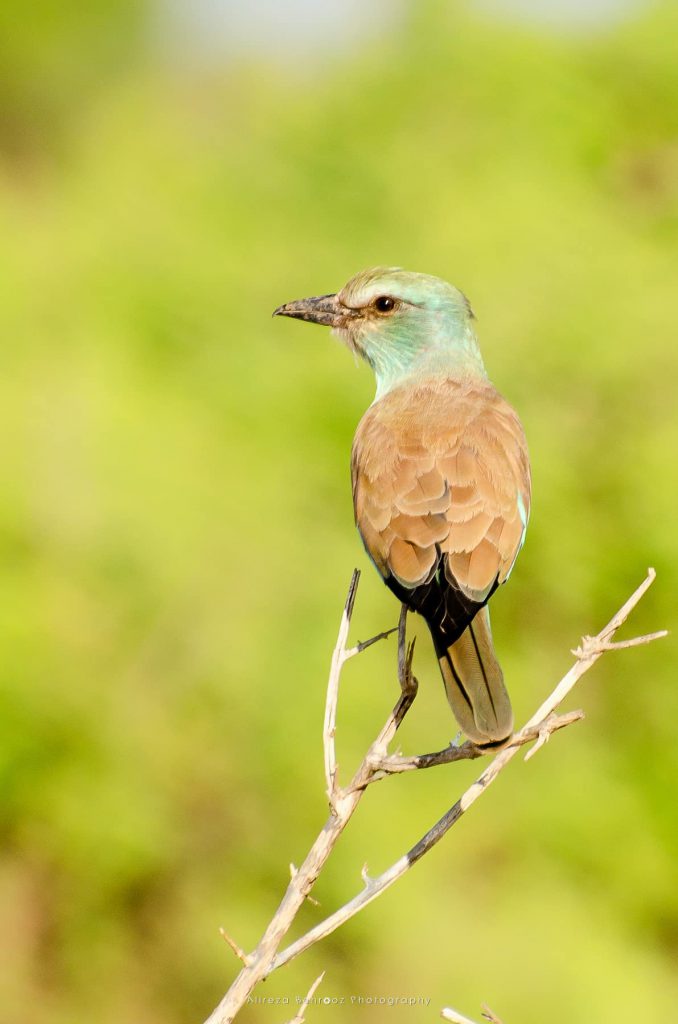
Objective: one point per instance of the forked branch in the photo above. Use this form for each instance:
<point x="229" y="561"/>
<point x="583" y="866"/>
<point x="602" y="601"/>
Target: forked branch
<point x="343" y="802"/>
<point x="377" y="764"/>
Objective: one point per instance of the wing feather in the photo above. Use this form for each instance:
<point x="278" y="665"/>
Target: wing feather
<point x="441" y="477"/>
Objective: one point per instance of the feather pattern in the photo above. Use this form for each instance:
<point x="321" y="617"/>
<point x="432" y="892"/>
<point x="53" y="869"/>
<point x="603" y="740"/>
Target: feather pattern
<point x="441" y="490"/>
<point x="441" y="481"/>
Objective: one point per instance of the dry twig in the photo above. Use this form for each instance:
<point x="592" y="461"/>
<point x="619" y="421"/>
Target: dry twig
<point x="459" y="1018"/>
<point x="300" y="1017"/>
<point x="241" y="955"/>
<point x="257" y="965"/>
<point x="376" y="765"/>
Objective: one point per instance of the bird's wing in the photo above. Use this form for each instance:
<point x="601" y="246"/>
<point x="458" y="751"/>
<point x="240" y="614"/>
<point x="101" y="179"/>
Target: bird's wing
<point x="441" y="479"/>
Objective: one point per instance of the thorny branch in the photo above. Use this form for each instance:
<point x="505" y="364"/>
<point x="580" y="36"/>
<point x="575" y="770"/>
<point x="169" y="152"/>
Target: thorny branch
<point x="377" y="764"/>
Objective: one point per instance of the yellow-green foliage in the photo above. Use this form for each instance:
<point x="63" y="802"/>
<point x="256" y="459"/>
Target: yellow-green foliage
<point x="176" y="526"/>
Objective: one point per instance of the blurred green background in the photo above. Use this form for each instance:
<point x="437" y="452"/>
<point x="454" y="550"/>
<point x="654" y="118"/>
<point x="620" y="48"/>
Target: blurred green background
<point x="175" y="512"/>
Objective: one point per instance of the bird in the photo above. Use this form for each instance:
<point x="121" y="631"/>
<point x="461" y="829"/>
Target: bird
<point x="440" y="473"/>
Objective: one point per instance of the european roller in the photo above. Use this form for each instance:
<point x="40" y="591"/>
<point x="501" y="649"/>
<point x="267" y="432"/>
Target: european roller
<point x="440" y="473"/>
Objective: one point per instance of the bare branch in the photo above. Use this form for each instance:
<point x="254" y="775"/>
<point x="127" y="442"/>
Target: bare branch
<point x="362" y="645"/>
<point x="397" y="763"/>
<point x="459" y="1018"/>
<point x="543" y="721"/>
<point x="377" y="764"/>
<point x="343" y="803"/>
<point x="300" y="1017"/>
<point x="243" y="957"/>
<point x="338" y="658"/>
<point x="455" y="1017"/>
<point x="489" y="1016"/>
<point x="593" y="645"/>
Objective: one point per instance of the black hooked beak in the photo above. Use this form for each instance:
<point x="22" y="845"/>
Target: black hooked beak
<point x="321" y="309"/>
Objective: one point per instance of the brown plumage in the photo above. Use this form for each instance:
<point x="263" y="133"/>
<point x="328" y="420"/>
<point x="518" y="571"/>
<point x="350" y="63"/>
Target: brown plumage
<point x="440" y="476"/>
<point x="441" y="479"/>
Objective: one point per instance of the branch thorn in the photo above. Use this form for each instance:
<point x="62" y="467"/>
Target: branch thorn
<point x="241" y="955"/>
<point x="300" y="1017"/>
<point x="362" y="645"/>
<point x="542" y="739"/>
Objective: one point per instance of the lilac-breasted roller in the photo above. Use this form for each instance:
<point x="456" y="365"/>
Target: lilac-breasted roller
<point x="440" y="471"/>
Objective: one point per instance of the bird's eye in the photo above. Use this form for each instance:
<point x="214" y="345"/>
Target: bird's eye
<point x="384" y="304"/>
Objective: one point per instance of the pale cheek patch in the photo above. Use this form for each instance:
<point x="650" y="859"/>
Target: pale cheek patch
<point x="343" y="335"/>
<point x="351" y="337"/>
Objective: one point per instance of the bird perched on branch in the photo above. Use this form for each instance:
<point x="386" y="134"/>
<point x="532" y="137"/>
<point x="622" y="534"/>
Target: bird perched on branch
<point x="440" y="470"/>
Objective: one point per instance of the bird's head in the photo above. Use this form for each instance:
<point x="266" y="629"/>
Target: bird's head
<point x="402" y="323"/>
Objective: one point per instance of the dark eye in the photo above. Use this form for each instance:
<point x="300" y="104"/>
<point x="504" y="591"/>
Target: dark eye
<point x="384" y="304"/>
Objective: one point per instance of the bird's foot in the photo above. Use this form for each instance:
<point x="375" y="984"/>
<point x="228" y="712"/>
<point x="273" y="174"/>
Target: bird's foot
<point x="408" y="682"/>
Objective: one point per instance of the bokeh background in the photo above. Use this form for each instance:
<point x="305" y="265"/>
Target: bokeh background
<point x="175" y="514"/>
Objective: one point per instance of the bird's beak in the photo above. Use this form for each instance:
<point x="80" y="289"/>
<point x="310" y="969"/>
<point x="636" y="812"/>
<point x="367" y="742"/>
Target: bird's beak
<point x="321" y="309"/>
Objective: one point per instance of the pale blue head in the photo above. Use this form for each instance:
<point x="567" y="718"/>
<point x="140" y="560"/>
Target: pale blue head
<point x="404" y="324"/>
